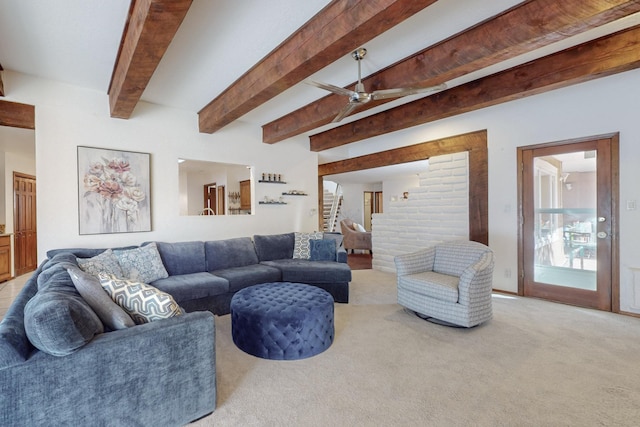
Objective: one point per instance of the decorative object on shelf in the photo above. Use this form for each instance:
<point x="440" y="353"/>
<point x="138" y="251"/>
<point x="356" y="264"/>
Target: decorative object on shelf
<point x="234" y="196"/>
<point x="295" y="193"/>
<point x="113" y="191"/>
<point x="270" y="201"/>
<point x="263" y="176"/>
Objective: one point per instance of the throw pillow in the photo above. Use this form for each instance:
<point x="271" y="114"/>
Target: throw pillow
<point x="106" y="261"/>
<point x="90" y="289"/>
<point x="143" y="302"/>
<point x="323" y="250"/>
<point x="338" y="237"/>
<point x="301" y="248"/>
<point x="358" y="227"/>
<point x="142" y="264"/>
<point x="59" y="323"/>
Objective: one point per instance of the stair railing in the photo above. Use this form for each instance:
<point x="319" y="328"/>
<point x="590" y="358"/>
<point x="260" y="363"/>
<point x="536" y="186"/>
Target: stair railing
<point x="335" y="204"/>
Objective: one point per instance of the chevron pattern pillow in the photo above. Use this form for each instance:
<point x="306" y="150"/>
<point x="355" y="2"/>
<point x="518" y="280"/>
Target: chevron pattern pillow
<point x="142" y="302"/>
<point x="301" y="247"/>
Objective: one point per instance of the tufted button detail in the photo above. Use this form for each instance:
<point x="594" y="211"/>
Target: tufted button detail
<point x="282" y="321"/>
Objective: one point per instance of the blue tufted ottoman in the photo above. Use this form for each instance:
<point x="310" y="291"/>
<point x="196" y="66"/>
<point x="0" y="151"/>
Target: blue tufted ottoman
<point x="282" y="321"/>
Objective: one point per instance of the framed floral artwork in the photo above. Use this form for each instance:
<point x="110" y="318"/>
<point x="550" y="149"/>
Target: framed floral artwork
<point x="113" y="191"/>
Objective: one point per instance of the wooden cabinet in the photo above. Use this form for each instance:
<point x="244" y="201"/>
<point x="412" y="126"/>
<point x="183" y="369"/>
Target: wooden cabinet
<point x="245" y="195"/>
<point x="5" y="257"/>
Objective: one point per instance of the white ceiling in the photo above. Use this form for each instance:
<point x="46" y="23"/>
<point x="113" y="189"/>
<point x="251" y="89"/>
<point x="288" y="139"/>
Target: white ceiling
<point x="76" y="42"/>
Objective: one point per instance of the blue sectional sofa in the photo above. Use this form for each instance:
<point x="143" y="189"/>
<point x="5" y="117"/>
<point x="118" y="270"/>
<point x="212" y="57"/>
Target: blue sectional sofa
<point x="159" y="373"/>
<point x="205" y="275"/>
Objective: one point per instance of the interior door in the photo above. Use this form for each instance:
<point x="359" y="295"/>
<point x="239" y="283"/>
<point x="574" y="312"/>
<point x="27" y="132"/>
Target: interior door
<point x="210" y="199"/>
<point x="568" y="237"/>
<point x="24" y="223"/>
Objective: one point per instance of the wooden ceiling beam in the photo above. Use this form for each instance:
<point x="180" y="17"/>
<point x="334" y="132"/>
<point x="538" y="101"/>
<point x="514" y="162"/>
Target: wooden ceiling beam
<point x="602" y="57"/>
<point x="17" y="115"/>
<point x="151" y="26"/>
<point x="523" y="28"/>
<point x="336" y="30"/>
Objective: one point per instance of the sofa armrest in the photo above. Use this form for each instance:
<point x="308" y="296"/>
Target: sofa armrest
<point x="341" y="255"/>
<point x="476" y="280"/>
<point x="415" y="262"/>
<point x="159" y="373"/>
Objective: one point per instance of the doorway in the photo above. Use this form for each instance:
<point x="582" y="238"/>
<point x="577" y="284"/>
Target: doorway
<point x="24" y="219"/>
<point x="568" y="198"/>
<point x="372" y="204"/>
<point x="214" y="199"/>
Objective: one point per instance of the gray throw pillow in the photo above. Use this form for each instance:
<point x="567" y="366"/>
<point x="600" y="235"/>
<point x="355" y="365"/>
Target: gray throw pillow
<point x="106" y="261"/>
<point x="89" y="287"/>
<point x="141" y="264"/>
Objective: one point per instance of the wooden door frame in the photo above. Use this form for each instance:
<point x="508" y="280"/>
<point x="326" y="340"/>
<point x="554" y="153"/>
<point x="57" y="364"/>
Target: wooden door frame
<point x="16" y="216"/>
<point x="475" y="143"/>
<point x="615" y="209"/>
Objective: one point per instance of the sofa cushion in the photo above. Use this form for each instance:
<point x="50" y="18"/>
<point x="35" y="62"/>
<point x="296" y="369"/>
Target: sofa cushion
<point x="323" y="250"/>
<point x="305" y="271"/>
<point x="59" y="323"/>
<point x="192" y="286"/>
<point x="106" y="261"/>
<point x="142" y="264"/>
<point x="182" y="257"/>
<point x="275" y="246"/>
<point x="89" y="287"/>
<point x="229" y="253"/>
<point x="249" y="275"/>
<point x="434" y="285"/>
<point x="301" y="245"/>
<point x="143" y="302"/>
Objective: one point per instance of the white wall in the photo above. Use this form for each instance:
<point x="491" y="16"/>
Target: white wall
<point x="393" y="189"/>
<point x="68" y="116"/>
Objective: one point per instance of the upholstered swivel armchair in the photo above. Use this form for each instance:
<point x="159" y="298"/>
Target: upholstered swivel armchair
<point x="450" y="282"/>
<point x="354" y="239"/>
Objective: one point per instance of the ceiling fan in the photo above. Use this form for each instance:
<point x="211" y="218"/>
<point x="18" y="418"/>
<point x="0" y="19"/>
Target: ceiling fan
<point x="359" y="97"/>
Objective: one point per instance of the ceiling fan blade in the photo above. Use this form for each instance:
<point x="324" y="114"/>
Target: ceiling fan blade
<point x="346" y="110"/>
<point x="400" y="92"/>
<point x="331" y="88"/>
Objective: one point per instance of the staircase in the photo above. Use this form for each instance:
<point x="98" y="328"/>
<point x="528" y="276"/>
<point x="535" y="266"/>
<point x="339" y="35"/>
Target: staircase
<point x="331" y="204"/>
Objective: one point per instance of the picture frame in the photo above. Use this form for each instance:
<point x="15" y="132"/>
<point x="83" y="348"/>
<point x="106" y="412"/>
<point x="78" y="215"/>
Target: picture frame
<point x="113" y="191"/>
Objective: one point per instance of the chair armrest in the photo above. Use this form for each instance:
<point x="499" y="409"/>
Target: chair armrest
<point x="415" y="262"/>
<point x="476" y="280"/>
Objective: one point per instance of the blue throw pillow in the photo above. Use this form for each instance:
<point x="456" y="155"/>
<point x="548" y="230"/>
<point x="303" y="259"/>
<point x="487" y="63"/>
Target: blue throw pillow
<point x="323" y="250"/>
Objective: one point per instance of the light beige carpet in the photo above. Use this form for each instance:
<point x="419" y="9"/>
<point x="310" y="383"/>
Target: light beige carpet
<point x="534" y="364"/>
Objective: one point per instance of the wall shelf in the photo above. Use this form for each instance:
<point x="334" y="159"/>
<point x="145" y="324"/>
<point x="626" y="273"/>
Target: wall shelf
<point x="294" y="194"/>
<point x="272" y="182"/>
<point x="272" y="203"/>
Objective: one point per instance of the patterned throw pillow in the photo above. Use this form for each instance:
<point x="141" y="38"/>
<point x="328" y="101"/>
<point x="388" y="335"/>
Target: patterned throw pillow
<point x="143" y="302"/>
<point x="142" y="264"/>
<point x="301" y="248"/>
<point x="323" y="250"/>
<point x="104" y="262"/>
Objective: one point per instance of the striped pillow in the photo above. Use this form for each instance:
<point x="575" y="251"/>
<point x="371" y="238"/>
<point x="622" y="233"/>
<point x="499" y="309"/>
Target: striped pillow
<point x="302" y="248"/>
<point x="142" y="302"/>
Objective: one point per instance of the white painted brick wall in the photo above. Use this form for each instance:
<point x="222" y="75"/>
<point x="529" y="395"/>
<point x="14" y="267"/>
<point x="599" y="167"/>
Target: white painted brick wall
<point x="436" y="211"/>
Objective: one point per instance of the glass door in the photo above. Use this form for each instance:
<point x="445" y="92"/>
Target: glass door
<point x="567" y="223"/>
